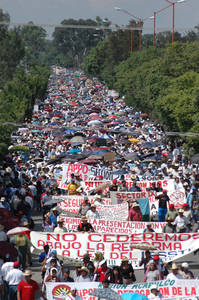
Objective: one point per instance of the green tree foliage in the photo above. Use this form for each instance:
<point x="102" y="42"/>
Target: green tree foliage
<point x="72" y="45"/>
<point x="35" y="43"/>
<point x="11" y="50"/>
<point x="163" y="82"/>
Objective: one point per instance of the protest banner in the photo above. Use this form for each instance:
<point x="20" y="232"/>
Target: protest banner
<point x="169" y="289"/>
<point x="86" y="172"/>
<point x="141" y="197"/>
<point x="88" y="186"/>
<point x="113" y="212"/>
<point x="72" y="203"/>
<point x="115" y="246"/>
<point x="108" y="226"/>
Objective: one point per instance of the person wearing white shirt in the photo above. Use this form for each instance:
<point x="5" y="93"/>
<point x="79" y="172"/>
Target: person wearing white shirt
<point x="181" y="222"/>
<point x="92" y="213"/>
<point x="13" y="278"/>
<point x="174" y="274"/>
<point x="3" y="236"/>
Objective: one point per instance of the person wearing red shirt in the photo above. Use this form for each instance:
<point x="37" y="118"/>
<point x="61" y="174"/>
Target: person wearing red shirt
<point x="27" y="288"/>
<point x="135" y="213"/>
<point x="102" y="271"/>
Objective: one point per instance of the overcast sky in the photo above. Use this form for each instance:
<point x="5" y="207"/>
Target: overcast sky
<point x="54" y="11"/>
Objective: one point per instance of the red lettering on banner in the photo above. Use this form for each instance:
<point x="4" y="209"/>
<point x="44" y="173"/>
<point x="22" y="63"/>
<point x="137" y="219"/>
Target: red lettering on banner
<point x="135" y="237"/>
<point x="177" y="291"/>
<point x="114" y="255"/>
<point x="195" y="236"/>
<point x="125" y="247"/>
<point x="41" y="243"/>
<point x="184" y="237"/>
<point x="116" y="246"/>
<point x="122" y="238"/>
<point x="69" y="237"/>
<point x="93" y="238"/>
<point x="54" y="237"/>
<point x="164" y="291"/>
<point x="76" y="245"/>
<point x="100" y="247"/>
<point x="58" y="245"/>
<point x="50" y="244"/>
<point x="148" y="236"/>
<point x="89" y="248"/>
<point x="66" y="253"/>
<point x="107" y="238"/>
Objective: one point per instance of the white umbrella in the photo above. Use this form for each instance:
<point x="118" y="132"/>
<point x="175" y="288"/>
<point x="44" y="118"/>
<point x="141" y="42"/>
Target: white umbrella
<point x="17" y="230"/>
<point x="94" y="122"/>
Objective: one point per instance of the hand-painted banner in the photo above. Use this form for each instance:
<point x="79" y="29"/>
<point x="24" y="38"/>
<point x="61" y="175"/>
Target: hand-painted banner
<point x="169" y="289"/>
<point x="86" y="172"/>
<point x="113" y="212"/>
<point x="146" y="200"/>
<point x="108" y="226"/>
<point x="89" y="186"/>
<point x="115" y="247"/>
<point x="72" y="203"/>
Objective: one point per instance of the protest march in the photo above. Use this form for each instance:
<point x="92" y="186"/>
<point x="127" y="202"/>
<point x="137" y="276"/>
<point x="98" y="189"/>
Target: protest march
<point x="95" y="194"/>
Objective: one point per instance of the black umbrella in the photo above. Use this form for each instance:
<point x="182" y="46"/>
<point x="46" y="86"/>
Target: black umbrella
<point x="131" y="156"/>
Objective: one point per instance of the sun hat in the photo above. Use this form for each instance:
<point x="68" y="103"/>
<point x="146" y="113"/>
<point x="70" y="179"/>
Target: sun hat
<point x="84" y="269"/>
<point x="185" y="265"/>
<point x="27" y="273"/>
<point x="84" y="218"/>
<point x="154" y="287"/>
<point x="174" y="267"/>
<point x="60" y="220"/>
<point x="181" y="210"/>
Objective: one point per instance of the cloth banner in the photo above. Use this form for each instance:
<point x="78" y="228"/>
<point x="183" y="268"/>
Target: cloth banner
<point x="72" y="203"/>
<point x="86" y="172"/>
<point x="115" y="246"/>
<point x="107" y="226"/>
<point x="170" y="289"/>
<point x="143" y="198"/>
<point x="88" y="186"/>
<point x="113" y="212"/>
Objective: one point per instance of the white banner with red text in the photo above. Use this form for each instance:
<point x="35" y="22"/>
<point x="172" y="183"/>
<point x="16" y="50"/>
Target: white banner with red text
<point x="115" y="246"/>
<point x="169" y="289"/>
<point x="112" y="226"/>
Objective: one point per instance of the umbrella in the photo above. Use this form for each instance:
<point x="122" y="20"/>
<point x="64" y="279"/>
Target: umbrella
<point x="9" y="222"/>
<point x="131" y="156"/>
<point x="77" y="139"/>
<point x="8" y="248"/>
<point x="133" y="296"/>
<point x="132" y="140"/>
<point x="17" y="230"/>
<point x="142" y="247"/>
<point x="89" y="161"/>
<point x="74" y="150"/>
<point x="94" y="122"/>
<point x="120" y="172"/>
<point x="149" y="145"/>
<point x="106" y="293"/>
<point x="106" y="137"/>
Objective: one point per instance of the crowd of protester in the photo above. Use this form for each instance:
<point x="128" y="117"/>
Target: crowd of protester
<point x="77" y="106"/>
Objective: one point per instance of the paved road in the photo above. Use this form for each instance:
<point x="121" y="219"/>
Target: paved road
<point x="192" y="259"/>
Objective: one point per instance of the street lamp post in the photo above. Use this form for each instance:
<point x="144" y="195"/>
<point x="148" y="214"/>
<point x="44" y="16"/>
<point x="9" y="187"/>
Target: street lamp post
<point x="173" y="16"/>
<point x="140" y="24"/>
<point x="154" y="22"/>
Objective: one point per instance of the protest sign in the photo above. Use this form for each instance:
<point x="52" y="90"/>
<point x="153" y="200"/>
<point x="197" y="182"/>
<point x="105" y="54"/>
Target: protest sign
<point x="141" y="197"/>
<point x="89" y="186"/>
<point x="108" y="226"/>
<point x="115" y="246"/>
<point x="72" y="203"/>
<point x="113" y="212"/>
<point x="86" y="172"/>
<point x="169" y="289"/>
